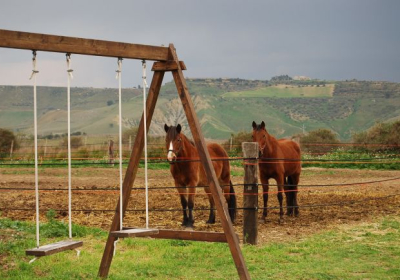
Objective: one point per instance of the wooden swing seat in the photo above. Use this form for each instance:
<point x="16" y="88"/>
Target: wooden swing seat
<point x="54" y="248"/>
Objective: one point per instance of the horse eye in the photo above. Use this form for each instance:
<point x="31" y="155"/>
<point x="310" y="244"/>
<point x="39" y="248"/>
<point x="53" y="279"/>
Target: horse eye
<point x="265" y="136"/>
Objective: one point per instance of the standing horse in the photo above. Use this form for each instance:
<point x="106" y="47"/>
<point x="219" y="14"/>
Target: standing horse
<point x="189" y="173"/>
<point x="280" y="160"/>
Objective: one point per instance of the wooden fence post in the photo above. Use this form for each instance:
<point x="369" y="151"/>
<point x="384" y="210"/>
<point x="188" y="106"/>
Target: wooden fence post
<point x="250" y="200"/>
<point x="111" y="152"/>
<point x="11" y="149"/>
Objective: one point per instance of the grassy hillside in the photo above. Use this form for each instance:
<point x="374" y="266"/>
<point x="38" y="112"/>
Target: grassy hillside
<point x="224" y="106"/>
<point x="285" y="91"/>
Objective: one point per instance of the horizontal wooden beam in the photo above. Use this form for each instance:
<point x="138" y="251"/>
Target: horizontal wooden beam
<point x="135" y="232"/>
<point x="189" y="235"/>
<point x="63" y="44"/>
<point x="167" y="66"/>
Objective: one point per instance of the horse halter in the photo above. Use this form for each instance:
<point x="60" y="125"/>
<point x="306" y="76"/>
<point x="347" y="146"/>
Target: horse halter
<point x="261" y="149"/>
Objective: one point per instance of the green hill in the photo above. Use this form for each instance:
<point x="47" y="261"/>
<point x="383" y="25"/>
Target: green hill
<point x="224" y="106"/>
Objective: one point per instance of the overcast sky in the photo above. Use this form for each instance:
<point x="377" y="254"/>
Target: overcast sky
<point x="338" y="39"/>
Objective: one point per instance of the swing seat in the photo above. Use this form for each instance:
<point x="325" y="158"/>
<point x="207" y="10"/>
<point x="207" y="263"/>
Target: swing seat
<point x="134" y="232"/>
<point x="54" y="248"/>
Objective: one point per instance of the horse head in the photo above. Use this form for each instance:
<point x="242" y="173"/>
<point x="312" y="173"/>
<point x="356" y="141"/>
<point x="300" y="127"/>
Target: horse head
<point x="173" y="141"/>
<point x="260" y="135"/>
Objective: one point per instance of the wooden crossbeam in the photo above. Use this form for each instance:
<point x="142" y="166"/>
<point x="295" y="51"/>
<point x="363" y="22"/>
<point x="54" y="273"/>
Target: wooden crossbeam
<point x="63" y="44"/>
<point x="54" y="248"/>
<point x="190" y="235"/>
<point x="167" y="66"/>
<point x="134" y="232"/>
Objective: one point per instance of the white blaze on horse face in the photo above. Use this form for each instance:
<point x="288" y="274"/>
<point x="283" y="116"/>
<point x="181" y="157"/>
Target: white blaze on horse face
<point x="171" y="155"/>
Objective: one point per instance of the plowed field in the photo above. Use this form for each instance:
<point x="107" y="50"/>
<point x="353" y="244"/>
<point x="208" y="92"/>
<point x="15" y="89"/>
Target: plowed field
<point x="364" y="200"/>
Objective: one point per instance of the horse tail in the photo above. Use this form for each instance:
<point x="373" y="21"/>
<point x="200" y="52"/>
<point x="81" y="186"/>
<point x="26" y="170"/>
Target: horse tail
<point x="232" y="204"/>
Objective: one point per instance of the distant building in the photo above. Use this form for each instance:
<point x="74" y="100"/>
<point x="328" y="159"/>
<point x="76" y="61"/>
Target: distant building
<point x="301" y="78"/>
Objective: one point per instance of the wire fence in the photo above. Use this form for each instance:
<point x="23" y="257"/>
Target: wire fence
<point x="322" y="205"/>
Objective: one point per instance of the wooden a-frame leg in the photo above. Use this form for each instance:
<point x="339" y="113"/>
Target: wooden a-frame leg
<point x="131" y="171"/>
<point x="205" y="159"/>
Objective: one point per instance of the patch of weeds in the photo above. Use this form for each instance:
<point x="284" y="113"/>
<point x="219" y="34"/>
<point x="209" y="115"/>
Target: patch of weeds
<point x="179" y="243"/>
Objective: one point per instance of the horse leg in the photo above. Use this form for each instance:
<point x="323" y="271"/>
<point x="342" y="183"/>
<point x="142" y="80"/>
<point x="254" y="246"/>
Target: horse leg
<point x="211" y="218"/>
<point x="280" y="182"/>
<point x="265" y="184"/>
<point x="192" y="192"/>
<point x="230" y="197"/>
<point x="295" y="179"/>
<point x="184" y="204"/>
<point x="289" y="195"/>
<point x="182" y="193"/>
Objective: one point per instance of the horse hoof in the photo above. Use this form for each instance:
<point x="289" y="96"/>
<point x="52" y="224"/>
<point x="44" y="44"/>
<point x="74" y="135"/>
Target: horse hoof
<point x="210" y="222"/>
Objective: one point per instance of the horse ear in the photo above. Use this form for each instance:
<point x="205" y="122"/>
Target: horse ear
<point x="262" y="125"/>
<point x="254" y="125"/>
<point x="166" y="127"/>
<point x="178" y="128"/>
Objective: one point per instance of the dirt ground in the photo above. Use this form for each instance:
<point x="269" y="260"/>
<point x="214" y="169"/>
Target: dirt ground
<point x="91" y="196"/>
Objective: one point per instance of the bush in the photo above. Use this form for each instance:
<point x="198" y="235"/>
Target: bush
<point x="83" y="153"/>
<point x="6" y="138"/>
<point x="76" y="142"/>
<point x="237" y="140"/>
<point x="319" y="141"/>
<point x="380" y="137"/>
<point x="132" y="132"/>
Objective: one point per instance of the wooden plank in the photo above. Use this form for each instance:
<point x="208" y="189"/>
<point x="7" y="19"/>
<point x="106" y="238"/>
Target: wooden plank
<point x="63" y="44"/>
<point x="134" y="232"/>
<point x="220" y="203"/>
<point x="54" y="248"/>
<point x="131" y="171"/>
<point x="167" y="66"/>
<point x="250" y="200"/>
<point x="190" y="235"/>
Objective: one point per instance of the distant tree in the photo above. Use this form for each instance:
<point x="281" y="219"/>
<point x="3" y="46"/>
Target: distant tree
<point x="383" y="136"/>
<point x="281" y="78"/>
<point x="110" y="102"/>
<point x="319" y="141"/>
<point x="129" y="133"/>
<point x="237" y="140"/>
<point x="6" y="138"/>
<point x="76" y="142"/>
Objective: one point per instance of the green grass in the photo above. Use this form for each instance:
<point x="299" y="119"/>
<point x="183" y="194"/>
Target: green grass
<point x="367" y="251"/>
<point x="282" y="91"/>
<point x="341" y="158"/>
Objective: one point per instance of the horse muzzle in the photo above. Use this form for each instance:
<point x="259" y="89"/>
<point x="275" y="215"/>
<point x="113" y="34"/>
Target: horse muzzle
<point x="171" y="157"/>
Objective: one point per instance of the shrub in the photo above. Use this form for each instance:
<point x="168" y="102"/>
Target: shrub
<point x="76" y="142"/>
<point x="237" y="140"/>
<point x="319" y="141"/>
<point x="6" y="138"/>
<point x="380" y="137"/>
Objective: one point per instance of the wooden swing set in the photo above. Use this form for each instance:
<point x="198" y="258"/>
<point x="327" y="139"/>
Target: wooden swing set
<point x="165" y="60"/>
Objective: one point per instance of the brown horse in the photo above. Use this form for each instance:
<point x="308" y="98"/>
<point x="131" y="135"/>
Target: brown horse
<point x="188" y="173"/>
<point x="279" y="160"/>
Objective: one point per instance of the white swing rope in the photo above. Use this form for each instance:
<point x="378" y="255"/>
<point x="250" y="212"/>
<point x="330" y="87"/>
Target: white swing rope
<point x="145" y="141"/>
<point x="33" y="76"/>
<point x="70" y="77"/>
<point x="118" y="76"/>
